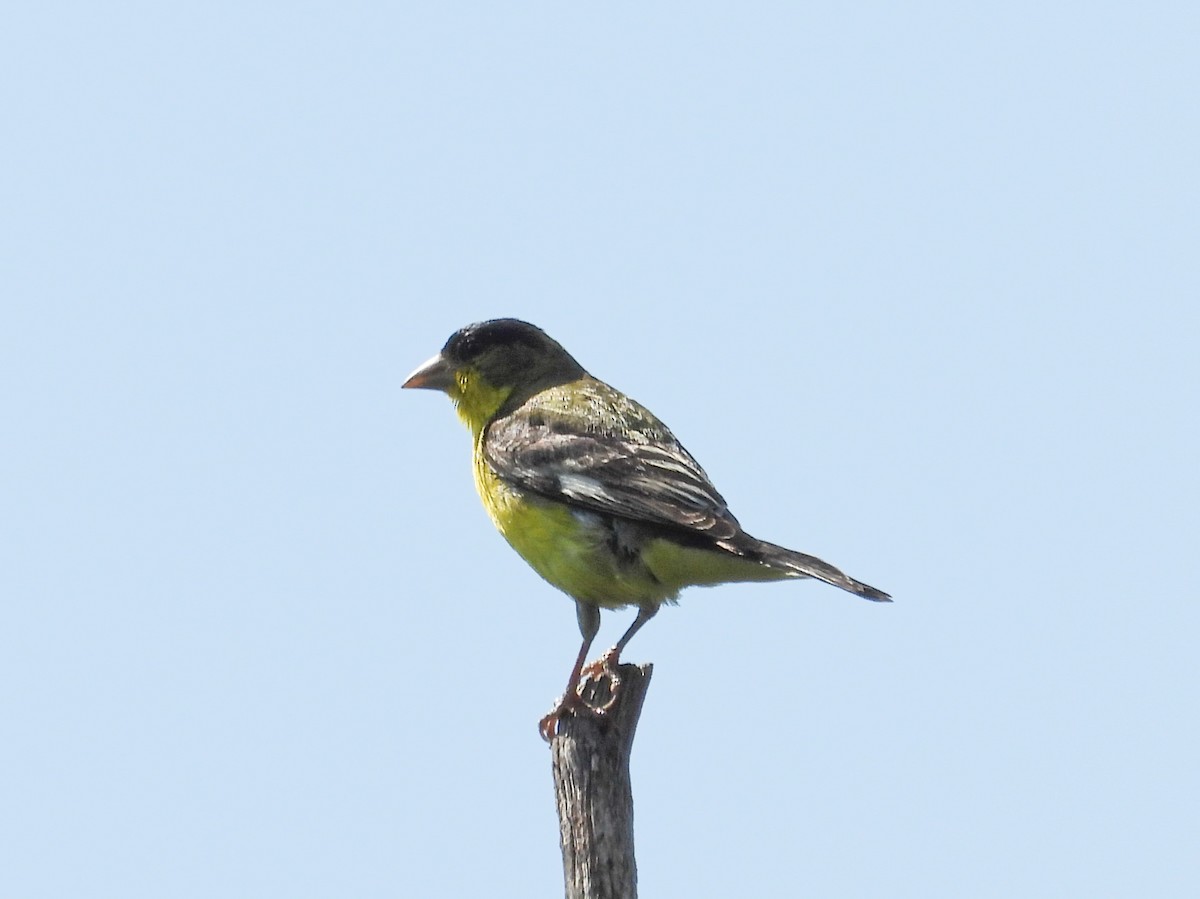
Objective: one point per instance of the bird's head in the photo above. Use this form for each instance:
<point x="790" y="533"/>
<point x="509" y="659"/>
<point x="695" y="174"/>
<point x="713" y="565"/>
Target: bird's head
<point x="488" y="364"/>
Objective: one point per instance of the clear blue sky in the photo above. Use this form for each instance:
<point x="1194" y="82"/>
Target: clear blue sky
<point x="917" y="284"/>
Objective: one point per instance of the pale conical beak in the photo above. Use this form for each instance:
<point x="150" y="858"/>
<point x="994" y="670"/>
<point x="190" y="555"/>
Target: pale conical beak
<point x="436" y="374"/>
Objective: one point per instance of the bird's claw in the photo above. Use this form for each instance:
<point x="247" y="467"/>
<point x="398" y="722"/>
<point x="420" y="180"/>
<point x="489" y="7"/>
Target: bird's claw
<point x="605" y="666"/>
<point x="568" y="702"/>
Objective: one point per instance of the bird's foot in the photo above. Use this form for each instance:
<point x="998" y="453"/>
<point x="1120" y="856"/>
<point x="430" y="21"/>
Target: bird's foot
<point x="607" y="666"/>
<point x="573" y="701"/>
<point x="567" y="703"/>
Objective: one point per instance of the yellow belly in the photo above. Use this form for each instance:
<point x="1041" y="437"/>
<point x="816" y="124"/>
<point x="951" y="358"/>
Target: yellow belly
<point x="569" y="548"/>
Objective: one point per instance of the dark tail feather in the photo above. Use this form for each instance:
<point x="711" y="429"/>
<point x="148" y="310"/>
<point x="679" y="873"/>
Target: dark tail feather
<point x="802" y="565"/>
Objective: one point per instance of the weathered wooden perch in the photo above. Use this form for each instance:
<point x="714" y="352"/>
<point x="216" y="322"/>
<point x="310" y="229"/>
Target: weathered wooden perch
<point x="590" y="759"/>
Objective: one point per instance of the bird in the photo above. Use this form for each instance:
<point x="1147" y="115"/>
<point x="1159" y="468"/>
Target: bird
<point x="593" y="491"/>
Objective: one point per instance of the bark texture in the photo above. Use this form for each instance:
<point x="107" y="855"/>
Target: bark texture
<point x="590" y="760"/>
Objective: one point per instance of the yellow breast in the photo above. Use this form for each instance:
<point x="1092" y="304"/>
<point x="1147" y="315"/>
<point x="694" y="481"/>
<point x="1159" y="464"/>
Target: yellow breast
<point x="569" y="548"/>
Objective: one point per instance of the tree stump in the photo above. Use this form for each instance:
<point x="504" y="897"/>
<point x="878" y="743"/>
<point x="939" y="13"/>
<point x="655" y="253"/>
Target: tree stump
<point x="590" y="761"/>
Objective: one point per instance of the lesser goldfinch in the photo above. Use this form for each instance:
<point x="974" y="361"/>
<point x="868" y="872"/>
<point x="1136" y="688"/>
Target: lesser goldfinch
<point x="592" y="489"/>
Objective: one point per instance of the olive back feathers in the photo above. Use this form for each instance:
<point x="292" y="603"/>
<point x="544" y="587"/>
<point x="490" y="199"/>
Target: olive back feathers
<point x="616" y="458"/>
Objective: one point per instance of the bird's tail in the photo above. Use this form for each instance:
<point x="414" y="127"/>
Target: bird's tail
<point x="796" y="564"/>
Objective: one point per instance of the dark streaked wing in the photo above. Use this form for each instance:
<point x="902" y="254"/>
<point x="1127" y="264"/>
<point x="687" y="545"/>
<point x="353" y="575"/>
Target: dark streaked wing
<point x="620" y="461"/>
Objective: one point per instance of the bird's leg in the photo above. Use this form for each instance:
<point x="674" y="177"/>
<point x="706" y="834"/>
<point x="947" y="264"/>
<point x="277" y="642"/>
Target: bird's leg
<point x="607" y="664"/>
<point x="608" y="661"/>
<point x="589" y="625"/>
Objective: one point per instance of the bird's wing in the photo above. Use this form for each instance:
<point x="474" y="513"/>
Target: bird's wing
<point x="598" y="449"/>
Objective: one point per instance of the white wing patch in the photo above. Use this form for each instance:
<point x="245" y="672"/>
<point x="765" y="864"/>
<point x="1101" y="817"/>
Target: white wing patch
<point x="582" y="487"/>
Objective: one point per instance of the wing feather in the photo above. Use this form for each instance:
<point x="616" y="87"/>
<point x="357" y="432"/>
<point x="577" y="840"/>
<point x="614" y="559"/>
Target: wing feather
<point x="617" y="459"/>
